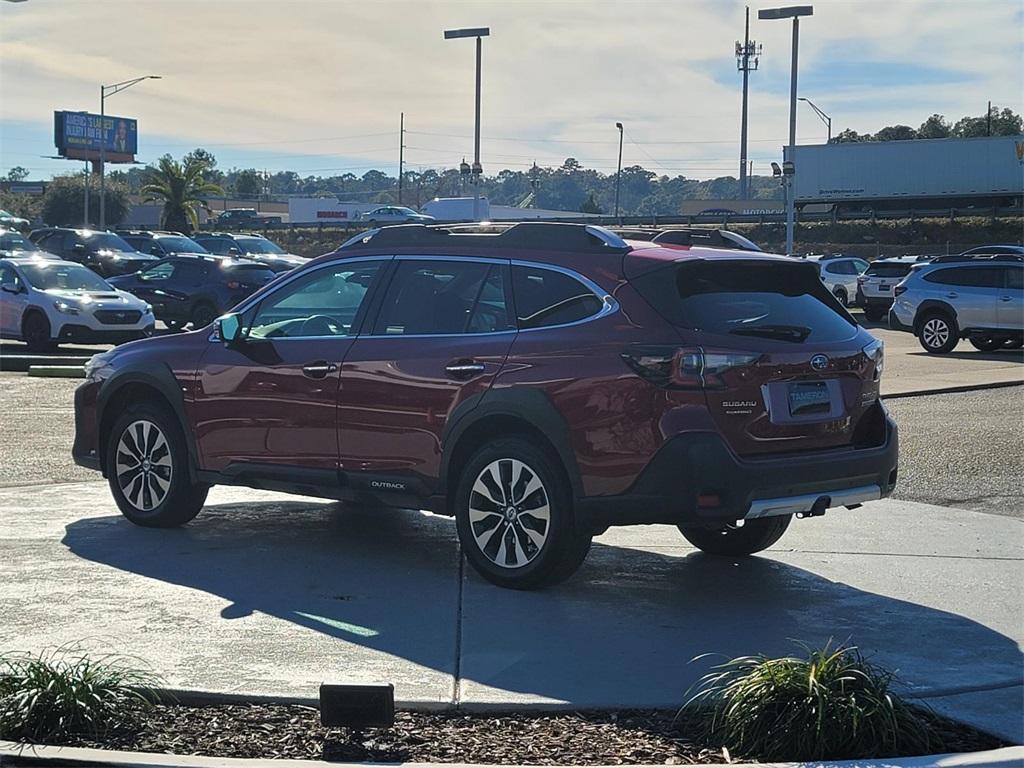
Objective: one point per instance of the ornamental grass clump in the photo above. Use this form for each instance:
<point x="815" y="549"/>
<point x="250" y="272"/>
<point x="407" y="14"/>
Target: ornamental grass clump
<point x="64" y="693"/>
<point x="830" y="705"/>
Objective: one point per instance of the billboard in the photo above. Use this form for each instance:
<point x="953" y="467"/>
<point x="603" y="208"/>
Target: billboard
<point x="79" y="135"/>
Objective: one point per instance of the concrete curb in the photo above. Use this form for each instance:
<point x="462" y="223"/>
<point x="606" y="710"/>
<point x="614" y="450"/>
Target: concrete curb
<point x="948" y="390"/>
<point x="57" y="371"/>
<point x="21" y="363"/>
<point x="12" y="753"/>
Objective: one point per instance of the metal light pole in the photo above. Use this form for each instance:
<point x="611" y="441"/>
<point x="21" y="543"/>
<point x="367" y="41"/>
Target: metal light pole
<point x="479" y="33"/>
<point x="793" y="12"/>
<point x="110" y="90"/>
<point x="618" y="173"/>
<point x="824" y="118"/>
<point x="747" y="57"/>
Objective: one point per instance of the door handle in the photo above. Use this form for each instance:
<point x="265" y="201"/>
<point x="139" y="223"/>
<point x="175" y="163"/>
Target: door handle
<point x="1006" y="298"/>
<point x="464" y="369"/>
<point x="318" y="370"/>
<point x="952" y="295"/>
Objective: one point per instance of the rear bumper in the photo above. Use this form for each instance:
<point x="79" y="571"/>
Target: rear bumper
<point x="895" y="323"/>
<point x="696" y="465"/>
<point x="872" y="301"/>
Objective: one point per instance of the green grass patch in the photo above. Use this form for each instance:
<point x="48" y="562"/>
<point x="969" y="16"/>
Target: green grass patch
<point x="62" y="693"/>
<point x="830" y="704"/>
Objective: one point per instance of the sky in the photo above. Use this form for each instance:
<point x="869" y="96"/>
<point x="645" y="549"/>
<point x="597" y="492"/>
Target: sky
<point x="317" y="86"/>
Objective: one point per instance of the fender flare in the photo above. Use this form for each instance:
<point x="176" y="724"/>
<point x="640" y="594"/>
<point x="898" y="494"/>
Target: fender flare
<point x="929" y="305"/>
<point x="161" y="379"/>
<point x="526" y="404"/>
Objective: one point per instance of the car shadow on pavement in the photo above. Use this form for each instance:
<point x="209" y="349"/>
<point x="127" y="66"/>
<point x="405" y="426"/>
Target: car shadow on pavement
<point x="621" y="632"/>
<point x="970" y="353"/>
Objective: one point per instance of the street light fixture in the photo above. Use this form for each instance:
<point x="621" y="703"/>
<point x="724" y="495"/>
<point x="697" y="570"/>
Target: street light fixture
<point x="479" y="33"/>
<point x="110" y="90"/>
<point x="824" y="118"/>
<point x="618" y="173"/>
<point x="793" y="12"/>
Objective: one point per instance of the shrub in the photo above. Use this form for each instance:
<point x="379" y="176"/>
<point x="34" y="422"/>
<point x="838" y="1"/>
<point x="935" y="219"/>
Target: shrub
<point x="830" y="705"/>
<point x="63" y="693"/>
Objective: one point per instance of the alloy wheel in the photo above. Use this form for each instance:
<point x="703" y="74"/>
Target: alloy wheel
<point x="509" y="513"/>
<point x="935" y="332"/>
<point x="144" y="468"/>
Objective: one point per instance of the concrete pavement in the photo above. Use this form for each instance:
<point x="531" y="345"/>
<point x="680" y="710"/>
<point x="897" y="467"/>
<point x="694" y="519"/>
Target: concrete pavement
<point x="270" y="594"/>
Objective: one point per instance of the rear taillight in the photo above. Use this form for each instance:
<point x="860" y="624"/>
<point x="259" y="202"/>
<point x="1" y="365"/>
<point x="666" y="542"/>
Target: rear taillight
<point x="693" y="368"/>
<point x="875" y="352"/>
<point x="899" y="289"/>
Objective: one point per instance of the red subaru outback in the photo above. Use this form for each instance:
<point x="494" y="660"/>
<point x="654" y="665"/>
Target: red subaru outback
<point x="538" y="383"/>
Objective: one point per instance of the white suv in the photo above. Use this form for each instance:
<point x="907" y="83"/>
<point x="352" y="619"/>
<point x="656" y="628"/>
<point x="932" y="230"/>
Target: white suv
<point x="839" y="274"/>
<point x="875" y="287"/>
<point x="44" y="302"/>
<point x="979" y="298"/>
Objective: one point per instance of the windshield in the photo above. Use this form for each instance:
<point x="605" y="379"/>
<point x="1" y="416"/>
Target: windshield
<point x="765" y="299"/>
<point x="406" y="211"/>
<point x="12" y="241"/>
<point x="47" y="275"/>
<point x="106" y="241"/>
<point x="180" y="244"/>
<point x="257" y="245"/>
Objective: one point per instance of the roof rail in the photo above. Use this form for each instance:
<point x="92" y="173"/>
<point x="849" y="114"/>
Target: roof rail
<point x="708" y="238"/>
<point x="966" y="257"/>
<point x="551" y="236"/>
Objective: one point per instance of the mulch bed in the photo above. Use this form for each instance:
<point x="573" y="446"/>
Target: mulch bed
<point x="564" y="738"/>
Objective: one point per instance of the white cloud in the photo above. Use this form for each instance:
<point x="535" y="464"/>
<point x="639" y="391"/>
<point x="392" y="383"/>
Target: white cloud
<point x="246" y="71"/>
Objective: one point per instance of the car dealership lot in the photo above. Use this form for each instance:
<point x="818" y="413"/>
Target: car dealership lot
<point x="265" y="593"/>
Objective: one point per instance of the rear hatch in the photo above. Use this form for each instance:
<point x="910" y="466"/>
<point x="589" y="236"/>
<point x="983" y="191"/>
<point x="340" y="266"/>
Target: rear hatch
<point x="784" y="368"/>
<point x="881" y="277"/>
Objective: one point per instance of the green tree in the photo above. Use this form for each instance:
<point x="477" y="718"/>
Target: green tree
<point x="896" y="133"/>
<point x="1004" y="122"/>
<point x="17" y="173"/>
<point x="248" y="183"/>
<point x="62" y="203"/>
<point x="211" y="173"/>
<point x="182" y="189"/>
<point x="849" y="135"/>
<point x="590" y="205"/>
<point x="935" y="127"/>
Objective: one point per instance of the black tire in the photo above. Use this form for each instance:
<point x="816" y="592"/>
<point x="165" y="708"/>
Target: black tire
<point x="203" y="314"/>
<point x="175" y="325"/>
<point x="36" y="332"/>
<point x="874" y="314"/>
<point x="521" y="468"/>
<point x="841" y="296"/>
<point x="987" y="343"/>
<point x="938" y="333"/>
<point x="1016" y="343"/>
<point x="143" y="464"/>
<point x="737" y="541"/>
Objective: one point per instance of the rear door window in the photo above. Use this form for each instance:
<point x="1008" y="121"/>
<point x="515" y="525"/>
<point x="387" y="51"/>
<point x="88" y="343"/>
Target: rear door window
<point x="973" y="277"/>
<point x="444" y="297"/>
<point x="759" y="299"/>
<point x="546" y="297"/>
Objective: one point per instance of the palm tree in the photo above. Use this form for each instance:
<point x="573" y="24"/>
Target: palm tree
<point x="182" y="189"/>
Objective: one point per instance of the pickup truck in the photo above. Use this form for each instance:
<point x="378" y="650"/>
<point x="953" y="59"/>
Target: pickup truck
<point x="247" y="217"/>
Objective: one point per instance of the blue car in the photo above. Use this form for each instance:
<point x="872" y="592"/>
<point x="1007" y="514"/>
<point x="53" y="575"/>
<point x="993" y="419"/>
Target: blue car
<point x="193" y="288"/>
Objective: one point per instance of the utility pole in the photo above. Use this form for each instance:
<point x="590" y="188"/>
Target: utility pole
<point x="618" y="173"/>
<point x="85" y="214"/>
<point x="748" y="55"/>
<point x="401" y="154"/>
<point x="476" y="169"/>
<point x="988" y="120"/>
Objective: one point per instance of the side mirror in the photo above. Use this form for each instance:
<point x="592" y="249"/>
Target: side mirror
<point x="9" y="287"/>
<point x="229" y="328"/>
<point x="232" y="251"/>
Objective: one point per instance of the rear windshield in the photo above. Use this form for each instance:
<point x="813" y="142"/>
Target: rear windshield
<point x="891" y="269"/>
<point x="754" y="299"/>
<point x="251" y="272"/>
<point x="257" y="245"/>
<point x="176" y="244"/>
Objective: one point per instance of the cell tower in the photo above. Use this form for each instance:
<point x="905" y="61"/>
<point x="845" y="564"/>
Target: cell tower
<point x="748" y="54"/>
